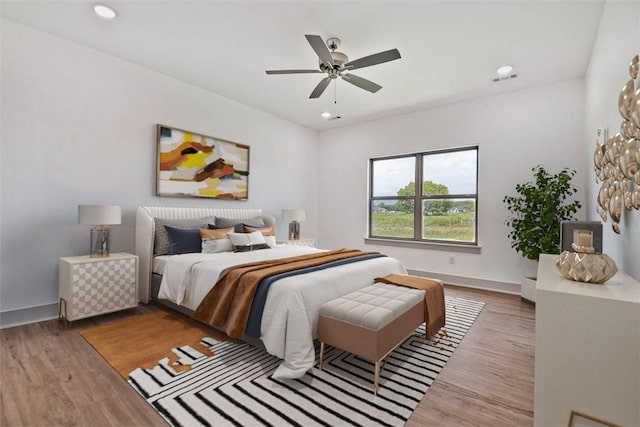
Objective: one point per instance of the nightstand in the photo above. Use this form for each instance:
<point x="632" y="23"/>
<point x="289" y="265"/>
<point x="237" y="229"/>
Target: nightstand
<point x="300" y="242"/>
<point x="93" y="286"/>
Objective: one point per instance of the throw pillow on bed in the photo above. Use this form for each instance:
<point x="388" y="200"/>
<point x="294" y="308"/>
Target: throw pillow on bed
<point x="161" y="239"/>
<point x="215" y="233"/>
<point x="243" y="242"/>
<point x="183" y="240"/>
<point x="238" y="223"/>
<point x="213" y="246"/>
<point x="215" y="240"/>
<point x="271" y="241"/>
<point x="266" y="231"/>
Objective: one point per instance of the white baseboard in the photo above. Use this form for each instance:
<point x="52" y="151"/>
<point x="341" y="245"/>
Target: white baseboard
<point x="528" y="289"/>
<point x="24" y="316"/>
<point x="470" y="282"/>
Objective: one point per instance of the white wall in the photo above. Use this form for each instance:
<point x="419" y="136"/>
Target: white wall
<point x="515" y="132"/>
<point x="79" y="128"/>
<point x="618" y="40"/>
<point x="1" y="144"/>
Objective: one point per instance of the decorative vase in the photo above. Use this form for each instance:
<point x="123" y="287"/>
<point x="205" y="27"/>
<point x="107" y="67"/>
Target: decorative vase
<point x="587" y="267"/>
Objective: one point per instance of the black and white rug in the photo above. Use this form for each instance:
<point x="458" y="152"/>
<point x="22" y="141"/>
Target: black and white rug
<point x="234" y="386"/>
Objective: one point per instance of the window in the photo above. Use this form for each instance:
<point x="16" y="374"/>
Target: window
<point x="431" y="196"/>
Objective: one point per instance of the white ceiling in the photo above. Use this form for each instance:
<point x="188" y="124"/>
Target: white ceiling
<point x="450" y="49"/>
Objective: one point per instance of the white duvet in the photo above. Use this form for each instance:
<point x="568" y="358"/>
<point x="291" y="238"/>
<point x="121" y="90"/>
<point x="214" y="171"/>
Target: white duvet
<point x="290" y="317"/>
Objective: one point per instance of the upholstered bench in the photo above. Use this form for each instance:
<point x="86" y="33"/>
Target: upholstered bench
<point x="371" y="322"/>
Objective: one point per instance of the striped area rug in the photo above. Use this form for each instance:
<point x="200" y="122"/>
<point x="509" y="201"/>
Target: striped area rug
<point x="234" y="386"/>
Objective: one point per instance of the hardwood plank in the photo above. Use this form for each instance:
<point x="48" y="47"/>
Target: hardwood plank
<point x="148" y="331"/>
<point x="489" y="378"/>
<point x="51" y="376"/>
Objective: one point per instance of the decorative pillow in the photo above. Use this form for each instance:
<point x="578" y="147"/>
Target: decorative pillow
<point x="271" y="241"/>
<point x="215" y="233"/>
<point x="212" y="246"/>
<point x="238" y="223"/>
<point x="266" y="231"/>
<point x="243" y="242"/>
<point x="161" y="239"/>
<point x="247" y="248"/>
<point x="183" y="240"/>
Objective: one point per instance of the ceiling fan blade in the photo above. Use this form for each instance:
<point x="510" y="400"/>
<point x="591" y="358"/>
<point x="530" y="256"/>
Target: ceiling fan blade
<point x="361" y="83"/>
<point x="320" y="88"/>
<point x="376" y="58"/>
<point x="321" y="49"/>
<point x="292" y="71"/>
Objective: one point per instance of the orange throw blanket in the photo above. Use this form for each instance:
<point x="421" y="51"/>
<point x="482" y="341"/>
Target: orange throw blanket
<point x="228" y="303"/>
<point x="434" y="313"/>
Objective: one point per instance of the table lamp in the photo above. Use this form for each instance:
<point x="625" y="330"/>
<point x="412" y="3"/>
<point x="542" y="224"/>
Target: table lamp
<point x="99" y="216"/>
<point x="294" y="216"/>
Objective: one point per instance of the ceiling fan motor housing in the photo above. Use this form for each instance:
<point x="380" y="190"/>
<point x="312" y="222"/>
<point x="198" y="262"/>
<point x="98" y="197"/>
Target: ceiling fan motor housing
<point x="339" y="59"/>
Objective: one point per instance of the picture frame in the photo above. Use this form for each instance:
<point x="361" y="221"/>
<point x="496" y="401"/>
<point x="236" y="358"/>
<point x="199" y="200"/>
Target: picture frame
<point x="585" y="234"/>
<point x="190" y="164"/>
<point x="579" y="419"/>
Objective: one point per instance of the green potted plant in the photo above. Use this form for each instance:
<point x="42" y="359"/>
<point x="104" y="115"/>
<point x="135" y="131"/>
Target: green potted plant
<point x="536" y="214"/>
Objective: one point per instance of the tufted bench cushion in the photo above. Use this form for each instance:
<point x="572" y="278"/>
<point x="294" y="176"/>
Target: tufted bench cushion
<point x="371" y="321"/>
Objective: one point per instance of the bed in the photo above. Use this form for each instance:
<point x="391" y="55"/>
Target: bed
<point x="289" y="321"/>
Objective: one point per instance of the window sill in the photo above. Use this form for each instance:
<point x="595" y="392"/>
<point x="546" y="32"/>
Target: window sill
<point x="451" y="247"/>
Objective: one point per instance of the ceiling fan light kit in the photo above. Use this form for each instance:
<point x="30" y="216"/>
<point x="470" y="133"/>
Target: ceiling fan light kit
<point x="336" y="64"/>
<point x="104" y="11"/>
<point x="505" y="69"/>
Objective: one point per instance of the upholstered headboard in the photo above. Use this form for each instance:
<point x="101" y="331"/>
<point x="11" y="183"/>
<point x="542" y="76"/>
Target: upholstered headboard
<point x="145" y="232"/>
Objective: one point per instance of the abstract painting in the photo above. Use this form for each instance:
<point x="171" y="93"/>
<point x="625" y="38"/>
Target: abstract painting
<point x="195" y="165"/>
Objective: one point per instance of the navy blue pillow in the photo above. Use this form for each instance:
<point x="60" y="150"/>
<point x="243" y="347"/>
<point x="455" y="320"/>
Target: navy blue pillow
<point x="184" y="240"/>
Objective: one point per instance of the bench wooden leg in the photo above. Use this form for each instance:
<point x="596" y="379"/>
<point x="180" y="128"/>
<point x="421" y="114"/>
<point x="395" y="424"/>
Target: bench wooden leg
<point x="321" y="354"/>
<point x="376" y="378"/>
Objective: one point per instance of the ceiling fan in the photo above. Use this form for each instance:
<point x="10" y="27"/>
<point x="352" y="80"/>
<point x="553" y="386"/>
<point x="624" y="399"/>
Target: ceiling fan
<point x="336" y="64"/>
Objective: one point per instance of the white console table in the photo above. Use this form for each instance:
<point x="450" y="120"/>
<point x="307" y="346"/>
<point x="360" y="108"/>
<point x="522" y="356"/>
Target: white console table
<point x="587" y="355"/>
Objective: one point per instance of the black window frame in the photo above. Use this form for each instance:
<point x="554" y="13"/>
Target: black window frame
<point x="418" y="198"/>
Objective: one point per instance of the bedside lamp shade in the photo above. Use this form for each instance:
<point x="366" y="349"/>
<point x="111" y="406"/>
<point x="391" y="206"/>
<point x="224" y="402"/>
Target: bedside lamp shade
<point x="294" y="216"/>
<point x="99" y="216"/>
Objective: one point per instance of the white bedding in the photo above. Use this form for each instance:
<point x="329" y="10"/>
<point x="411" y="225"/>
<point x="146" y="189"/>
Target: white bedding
<point x="159" y="261"/>
<point x="290" y="317"/>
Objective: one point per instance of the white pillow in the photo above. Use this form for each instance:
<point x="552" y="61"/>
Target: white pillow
<point x="271" y="241"/>
<point x="243" y="239"/>
<point x="243" y="242"/>
<point x="212" y="246"/>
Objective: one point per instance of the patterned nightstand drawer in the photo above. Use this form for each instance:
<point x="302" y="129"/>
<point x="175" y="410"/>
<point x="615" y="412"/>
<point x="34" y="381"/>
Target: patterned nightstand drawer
<point x="92" y="286"/>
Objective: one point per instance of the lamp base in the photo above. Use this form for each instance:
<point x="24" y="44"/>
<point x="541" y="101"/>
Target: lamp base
<point x="294" y="230"/>
<point x="99" y="243"/>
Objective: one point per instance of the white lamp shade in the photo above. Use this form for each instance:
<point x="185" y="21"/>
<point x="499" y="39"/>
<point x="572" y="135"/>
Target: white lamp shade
<point x="99" y="214"/>
<point x="294" y="215"/>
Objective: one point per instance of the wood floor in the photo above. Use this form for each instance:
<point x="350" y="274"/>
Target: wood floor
<point x="53" y="377"/>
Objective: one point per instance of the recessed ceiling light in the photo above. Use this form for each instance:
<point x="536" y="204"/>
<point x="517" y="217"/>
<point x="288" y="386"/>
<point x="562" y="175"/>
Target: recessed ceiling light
<point x="326" y="114"/>
<point x="104" y="11"/>
<point x="504" y="69"/>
